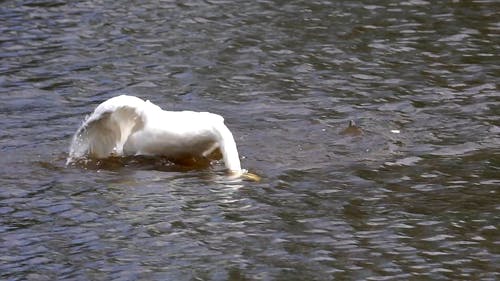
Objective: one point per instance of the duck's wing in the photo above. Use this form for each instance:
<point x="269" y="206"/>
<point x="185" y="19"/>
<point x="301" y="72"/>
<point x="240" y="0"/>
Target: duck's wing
<point x="105" y="131"/>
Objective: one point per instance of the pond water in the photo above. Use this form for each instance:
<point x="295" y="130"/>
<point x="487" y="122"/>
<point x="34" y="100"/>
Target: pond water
<point x="415" y="197"/>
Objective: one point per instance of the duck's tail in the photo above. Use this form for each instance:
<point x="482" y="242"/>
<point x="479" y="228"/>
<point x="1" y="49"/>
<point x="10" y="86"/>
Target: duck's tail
<point x="104" y="133"/>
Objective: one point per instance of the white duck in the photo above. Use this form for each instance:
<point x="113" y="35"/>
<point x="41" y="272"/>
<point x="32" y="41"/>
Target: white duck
<point x="127" y="125"/>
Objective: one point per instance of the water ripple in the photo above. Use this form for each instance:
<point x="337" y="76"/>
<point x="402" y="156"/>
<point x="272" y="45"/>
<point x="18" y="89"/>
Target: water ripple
<point x="414" y="196"/>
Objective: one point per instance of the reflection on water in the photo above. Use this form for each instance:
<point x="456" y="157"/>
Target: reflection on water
<point x="413" y="197"/>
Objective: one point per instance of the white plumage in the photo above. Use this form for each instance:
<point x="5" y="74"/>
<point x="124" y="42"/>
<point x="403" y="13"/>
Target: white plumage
<point x="127" y="125"/>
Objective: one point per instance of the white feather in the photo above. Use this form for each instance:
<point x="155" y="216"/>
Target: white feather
<point x="127" y="125"/>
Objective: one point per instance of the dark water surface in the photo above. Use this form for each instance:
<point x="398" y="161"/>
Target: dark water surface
<point x="416" y="197"/>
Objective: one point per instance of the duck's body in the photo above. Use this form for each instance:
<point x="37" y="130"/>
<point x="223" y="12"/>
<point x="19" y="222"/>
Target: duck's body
<point x="127" y="125"/>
